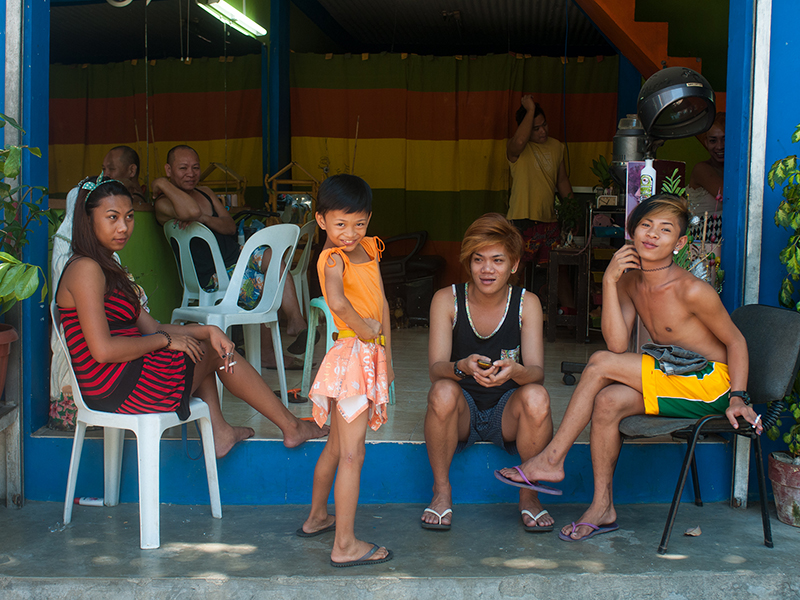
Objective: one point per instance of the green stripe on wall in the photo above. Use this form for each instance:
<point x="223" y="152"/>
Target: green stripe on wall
<point x="447" y="74"/>
<point x="444" y="215"/>
<point x="168" y="76"/>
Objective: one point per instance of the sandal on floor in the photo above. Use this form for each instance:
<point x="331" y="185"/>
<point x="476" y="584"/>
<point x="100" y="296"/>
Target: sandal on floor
<point x="438" y="526"/>
<point x="535" y="528"/>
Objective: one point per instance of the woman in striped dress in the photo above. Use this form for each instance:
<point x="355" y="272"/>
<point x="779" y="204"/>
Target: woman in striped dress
<point x="127" y="362"/>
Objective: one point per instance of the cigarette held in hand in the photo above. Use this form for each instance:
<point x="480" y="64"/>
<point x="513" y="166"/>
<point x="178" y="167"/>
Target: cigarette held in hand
<point x="230" y="365"/>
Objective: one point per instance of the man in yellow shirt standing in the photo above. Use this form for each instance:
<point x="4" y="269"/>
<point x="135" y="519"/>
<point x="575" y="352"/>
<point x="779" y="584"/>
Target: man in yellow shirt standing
<point x="538" y="171"/>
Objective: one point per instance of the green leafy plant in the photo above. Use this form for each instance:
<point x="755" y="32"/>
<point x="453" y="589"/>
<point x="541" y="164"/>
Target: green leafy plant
<point x="785" y="173"/>
<point x="18" y="280"/>
<point x="672" y="185"/>
<point x="569" y="210"/>
<point x="600" y="168"/>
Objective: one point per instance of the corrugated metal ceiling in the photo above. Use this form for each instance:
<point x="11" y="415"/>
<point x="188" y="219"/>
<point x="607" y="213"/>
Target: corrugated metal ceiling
<point x="99" y="33"/>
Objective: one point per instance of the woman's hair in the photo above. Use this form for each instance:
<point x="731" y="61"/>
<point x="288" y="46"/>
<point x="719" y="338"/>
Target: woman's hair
<point x="490" y="229"/>
<point x="344" y="192"/>
<point x="719" y="121"/>
<point x="85" y="242"/>
<point x="660" y="203"/>
<point x="522" y="111"/>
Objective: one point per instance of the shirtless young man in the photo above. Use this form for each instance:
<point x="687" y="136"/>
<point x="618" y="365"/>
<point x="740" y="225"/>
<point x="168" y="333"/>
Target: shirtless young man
<point x="676" y="308"/>
<point x="177" y="196"/>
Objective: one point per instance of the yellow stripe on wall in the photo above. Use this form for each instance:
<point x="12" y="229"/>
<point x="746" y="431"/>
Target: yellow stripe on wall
<point x="69" y="163"/>
<point x="428" y="165"/>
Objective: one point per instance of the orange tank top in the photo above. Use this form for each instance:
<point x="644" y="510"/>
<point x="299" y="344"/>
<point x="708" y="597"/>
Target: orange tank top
<point x="362" y="282"/>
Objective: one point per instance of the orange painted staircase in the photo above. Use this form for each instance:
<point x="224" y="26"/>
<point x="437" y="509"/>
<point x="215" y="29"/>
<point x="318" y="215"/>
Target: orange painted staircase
<point x="642" y="43"/>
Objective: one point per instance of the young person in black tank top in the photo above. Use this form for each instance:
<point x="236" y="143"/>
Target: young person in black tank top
<point x="486" y="360"/>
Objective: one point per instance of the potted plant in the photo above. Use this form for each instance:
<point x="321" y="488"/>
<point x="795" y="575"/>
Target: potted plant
<point x="784" y="467"/>
<point x="21" y="206"/>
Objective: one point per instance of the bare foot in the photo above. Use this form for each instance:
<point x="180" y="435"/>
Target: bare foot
<point x="599" y="516"/>
<point x="313" y="525"/>
<point x="533" y="505"/>
<point x="355" y="551"/>
<point x="304" y="431"/>
<point x="229" y="437"/>
<point x="536" y="469"/>
<point x="440" y="503"/>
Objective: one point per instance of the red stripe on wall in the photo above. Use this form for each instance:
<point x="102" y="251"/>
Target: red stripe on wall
<point x="186" y="117"/>
<point x="397" y="113"/>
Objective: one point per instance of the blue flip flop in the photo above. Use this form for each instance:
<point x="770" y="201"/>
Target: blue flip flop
<point x="596" y="530"/>
<point x="528" y="485"/>
<point x="305" y="534"/>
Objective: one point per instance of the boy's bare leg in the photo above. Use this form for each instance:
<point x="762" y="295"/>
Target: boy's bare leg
<point x="527" y="420"/>
<point x="446" y="421"/>
<point x="351" y="436"/>
<point x="604" y="369"/>
<point x="324" y="474"/>
<point x="613" y="404"/>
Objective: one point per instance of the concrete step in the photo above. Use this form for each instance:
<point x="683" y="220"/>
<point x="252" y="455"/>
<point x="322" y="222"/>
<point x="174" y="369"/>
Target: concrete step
<point x="252" y="552"/>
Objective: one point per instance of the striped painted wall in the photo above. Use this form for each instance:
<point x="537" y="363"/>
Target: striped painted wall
<point x="96" y="107"/>
<point x="432" y="131"/>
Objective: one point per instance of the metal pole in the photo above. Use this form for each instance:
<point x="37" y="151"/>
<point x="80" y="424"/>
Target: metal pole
<point x="759" y="103"/>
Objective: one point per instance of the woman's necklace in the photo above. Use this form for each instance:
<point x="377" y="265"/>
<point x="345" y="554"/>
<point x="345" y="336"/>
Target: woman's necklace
<point x="658" y="269"/>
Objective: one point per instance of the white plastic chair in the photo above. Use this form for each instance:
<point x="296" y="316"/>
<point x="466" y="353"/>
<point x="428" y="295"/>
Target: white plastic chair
<point x="148" y="430"/>
<point x="180" y="242"/>
<point x="301" y="268"/>
<point x="319" y="306"/>
<point x="282" y="239"/>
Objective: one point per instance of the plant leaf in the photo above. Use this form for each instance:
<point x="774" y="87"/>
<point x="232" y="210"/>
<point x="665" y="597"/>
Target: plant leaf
<point x="28" y="283"/>
<point x="13" y="162"/>
<point x="10" y="279"/>
<point x="11" y="122"/>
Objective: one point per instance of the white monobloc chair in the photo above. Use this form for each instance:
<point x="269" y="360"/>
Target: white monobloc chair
<point x="299" y="273"/>
<point x="180" y="240"/>
<point x="148" y="429"/>
<point x="282" y="239"/>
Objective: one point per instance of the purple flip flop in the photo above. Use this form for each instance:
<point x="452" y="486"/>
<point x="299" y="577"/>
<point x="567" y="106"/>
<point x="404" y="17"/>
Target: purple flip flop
<point x="596" y="530"/>
<point x="530" y="485"/>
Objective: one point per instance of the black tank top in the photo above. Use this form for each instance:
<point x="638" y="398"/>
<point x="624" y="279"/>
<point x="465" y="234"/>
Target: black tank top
<point x="203" y="262"/>
<point x="504" y="342"/>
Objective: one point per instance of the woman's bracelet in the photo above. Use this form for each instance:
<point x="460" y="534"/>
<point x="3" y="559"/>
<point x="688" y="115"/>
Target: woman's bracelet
<point x="166" y="335"/>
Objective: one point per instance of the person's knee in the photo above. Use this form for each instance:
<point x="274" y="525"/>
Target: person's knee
<point x="352" y="457"/>
<point x="598" y="365"/>
<point x="534" y="402"/>
<point x="443" y="398"/>
<point x="605" y="408"/>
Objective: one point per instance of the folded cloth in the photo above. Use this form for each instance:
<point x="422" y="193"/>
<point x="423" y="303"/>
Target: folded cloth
<point x="674" y="360"/>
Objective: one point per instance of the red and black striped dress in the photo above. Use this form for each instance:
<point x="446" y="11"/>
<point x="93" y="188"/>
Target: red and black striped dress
<point x="157" y="382"/>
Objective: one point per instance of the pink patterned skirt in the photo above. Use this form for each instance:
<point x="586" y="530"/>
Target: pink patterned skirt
<point x="354" y="374"/>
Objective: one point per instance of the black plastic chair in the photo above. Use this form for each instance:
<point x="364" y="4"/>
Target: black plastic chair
<point x="773" y="343"/>
<point x="411" y="276"/>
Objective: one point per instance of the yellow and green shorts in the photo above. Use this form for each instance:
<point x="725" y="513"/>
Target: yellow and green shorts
<point x="694" y="394"/>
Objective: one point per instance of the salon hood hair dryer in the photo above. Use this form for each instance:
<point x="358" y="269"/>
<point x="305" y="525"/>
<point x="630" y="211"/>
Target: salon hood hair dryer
<point x="674" y="103"/>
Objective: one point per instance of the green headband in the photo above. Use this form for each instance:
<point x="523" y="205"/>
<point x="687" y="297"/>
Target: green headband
<point x="91" y="186"/>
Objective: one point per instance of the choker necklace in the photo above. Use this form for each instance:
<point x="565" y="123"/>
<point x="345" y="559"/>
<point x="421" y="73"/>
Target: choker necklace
<point x="658" y="269"/>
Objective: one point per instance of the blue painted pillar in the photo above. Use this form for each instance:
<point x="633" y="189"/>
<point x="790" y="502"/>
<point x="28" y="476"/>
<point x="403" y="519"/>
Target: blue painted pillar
<point x="280" y="150"/>
<point x="629" y="83"/>
<point x="737" y="149"/>
<point x="35" y="121"/>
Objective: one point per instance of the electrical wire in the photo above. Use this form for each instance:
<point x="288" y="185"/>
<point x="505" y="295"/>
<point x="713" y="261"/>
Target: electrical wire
<point x="564" y="86"/>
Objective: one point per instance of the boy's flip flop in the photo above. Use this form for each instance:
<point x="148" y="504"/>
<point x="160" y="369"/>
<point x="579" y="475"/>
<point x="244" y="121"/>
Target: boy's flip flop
<point x="535" y="528"/>
<point x="595" y="530"/>
<point x="528" y="485"/>
<point x="293" y="396"/>
<point x="305" y="534"/>
<point x="364" y="560"/>
<point x="438" y="526"/>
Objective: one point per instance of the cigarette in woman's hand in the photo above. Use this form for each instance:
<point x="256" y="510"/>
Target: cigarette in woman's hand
<point x="755" y="423"/>
<point x="230" y="365"/>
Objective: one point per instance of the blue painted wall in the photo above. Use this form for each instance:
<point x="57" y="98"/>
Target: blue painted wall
<point x="782" y="118"/>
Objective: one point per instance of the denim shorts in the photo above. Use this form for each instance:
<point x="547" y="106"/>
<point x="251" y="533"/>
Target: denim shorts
<point x="487" y="425"/>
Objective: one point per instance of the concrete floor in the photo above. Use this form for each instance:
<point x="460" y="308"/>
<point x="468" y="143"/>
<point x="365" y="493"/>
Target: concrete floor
<point x="252" y="552"/>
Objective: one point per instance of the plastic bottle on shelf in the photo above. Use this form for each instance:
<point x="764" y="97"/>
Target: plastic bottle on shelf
<point x="647" y="180"/>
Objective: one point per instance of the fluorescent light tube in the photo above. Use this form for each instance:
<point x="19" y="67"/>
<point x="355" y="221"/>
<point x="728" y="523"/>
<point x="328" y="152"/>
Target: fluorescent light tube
<point x="227" y="14"/>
